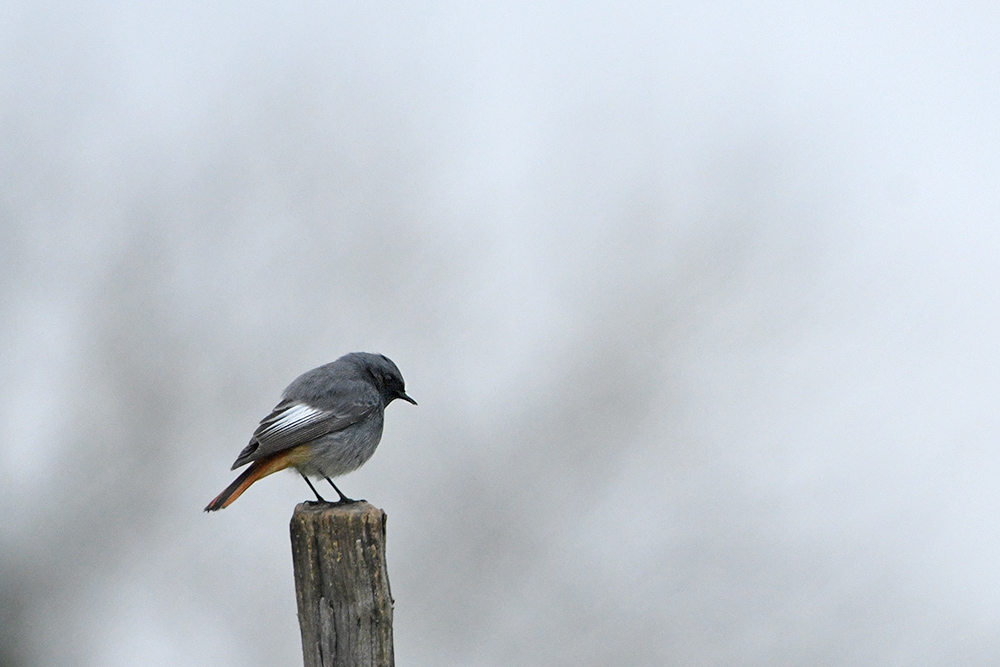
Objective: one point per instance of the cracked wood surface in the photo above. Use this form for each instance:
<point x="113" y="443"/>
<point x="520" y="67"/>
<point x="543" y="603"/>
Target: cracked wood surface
<point x="341" y="584"/>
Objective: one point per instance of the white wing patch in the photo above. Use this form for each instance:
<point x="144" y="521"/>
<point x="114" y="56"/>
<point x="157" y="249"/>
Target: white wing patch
<point x="291" y="418"/>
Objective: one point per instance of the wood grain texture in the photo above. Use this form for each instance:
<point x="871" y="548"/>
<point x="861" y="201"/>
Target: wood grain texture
<point x="342" y="586"/>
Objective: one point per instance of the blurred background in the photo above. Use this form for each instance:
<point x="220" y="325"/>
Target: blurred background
<point x="699" y="302"/>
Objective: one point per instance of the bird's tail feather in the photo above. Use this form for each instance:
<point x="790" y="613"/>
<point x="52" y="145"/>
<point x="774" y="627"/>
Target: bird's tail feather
<point x="257" y="470"/>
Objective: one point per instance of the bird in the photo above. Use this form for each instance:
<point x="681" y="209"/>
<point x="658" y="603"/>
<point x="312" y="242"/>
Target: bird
<point x="328" y="423"/>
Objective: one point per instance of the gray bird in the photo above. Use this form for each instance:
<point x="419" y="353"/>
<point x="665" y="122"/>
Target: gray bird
<point x="328" y="423"/>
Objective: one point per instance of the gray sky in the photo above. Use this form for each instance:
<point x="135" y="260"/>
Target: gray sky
<point x="699" y="302"/>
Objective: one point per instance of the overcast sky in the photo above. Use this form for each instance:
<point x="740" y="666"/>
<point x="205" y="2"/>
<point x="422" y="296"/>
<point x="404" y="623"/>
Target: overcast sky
<point x="699" y="303"/>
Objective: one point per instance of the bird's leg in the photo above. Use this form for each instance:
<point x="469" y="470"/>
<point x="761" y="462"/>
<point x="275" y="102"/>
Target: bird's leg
<point x="318" y="497"/>
<point x="343" y="499"/>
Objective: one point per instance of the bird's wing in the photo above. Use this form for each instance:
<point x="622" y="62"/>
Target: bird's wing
<point x="294" y="422"/>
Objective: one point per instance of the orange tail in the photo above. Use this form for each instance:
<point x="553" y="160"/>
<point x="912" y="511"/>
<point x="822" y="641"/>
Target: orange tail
<point x="258" y="469"/>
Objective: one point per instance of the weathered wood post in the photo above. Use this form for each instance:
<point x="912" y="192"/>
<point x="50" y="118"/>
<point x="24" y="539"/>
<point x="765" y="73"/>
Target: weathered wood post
<point x="342" y="586"/>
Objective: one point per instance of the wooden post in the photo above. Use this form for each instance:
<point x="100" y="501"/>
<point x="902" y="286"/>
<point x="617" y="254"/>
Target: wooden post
<point x="345" y="606"/>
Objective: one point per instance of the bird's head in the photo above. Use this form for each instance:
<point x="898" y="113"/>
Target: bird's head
<point x="386" y="376"/>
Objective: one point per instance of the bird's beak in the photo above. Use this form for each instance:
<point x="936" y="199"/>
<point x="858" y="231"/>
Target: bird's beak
<point x="406" y="398"/>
